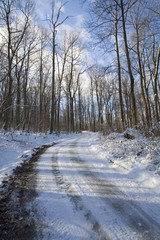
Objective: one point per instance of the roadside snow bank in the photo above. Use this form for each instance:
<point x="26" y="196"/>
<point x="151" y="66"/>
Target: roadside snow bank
<point x="130" y="163"/>
<point x="17" y="147"/>
<point x="130" y="150"/>
<point x="136" y="162"/>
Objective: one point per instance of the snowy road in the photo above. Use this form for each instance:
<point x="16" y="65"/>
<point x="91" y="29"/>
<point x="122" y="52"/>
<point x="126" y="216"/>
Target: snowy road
<point x="77" y="199"/>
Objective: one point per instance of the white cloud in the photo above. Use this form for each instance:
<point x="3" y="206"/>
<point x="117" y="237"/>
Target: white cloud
<point x="79" y="20"/>
<point x="59" y="5"/>
<point x="43" y="8"/>
<point x="75" y="27"/>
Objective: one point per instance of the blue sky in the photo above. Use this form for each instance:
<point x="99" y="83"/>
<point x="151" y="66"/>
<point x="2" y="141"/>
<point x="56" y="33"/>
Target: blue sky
<point x="78" y="15"/>
<point x="71" y="8"/>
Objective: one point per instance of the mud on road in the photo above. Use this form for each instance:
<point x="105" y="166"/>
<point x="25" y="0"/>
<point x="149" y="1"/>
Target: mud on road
<point x="16" y="197"/>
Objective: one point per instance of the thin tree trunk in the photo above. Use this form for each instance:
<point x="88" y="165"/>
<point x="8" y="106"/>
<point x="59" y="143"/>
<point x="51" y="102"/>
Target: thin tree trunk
<point x="40" y="89"/>
<point x="58" y="112"/>
<point x="25" y="82"/>
<point x="156" y="99"/>
<point x="10" y="79"/>
<point x="53" y="85"/>
<point x="68" y="114"/>
<point x="92" y="108"/>
<point x="134" y="114"/>
<point x="119" y="75"/>
<point x="147" y="95"/>
<point x="18" y="100"/>
<point x="71" y="114"/>
<point x="80" y="109"/>
<point x="141" y="79"/>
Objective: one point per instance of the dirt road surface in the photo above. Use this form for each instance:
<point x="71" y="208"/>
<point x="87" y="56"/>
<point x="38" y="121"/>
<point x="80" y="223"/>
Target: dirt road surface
<point x="67" y="194"/>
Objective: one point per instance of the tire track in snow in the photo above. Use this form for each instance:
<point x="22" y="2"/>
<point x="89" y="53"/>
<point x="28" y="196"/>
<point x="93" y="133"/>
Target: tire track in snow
<point x="134" y="217"/>
<point x="76" y="199"/>
<point x="66" y="181"/>
<point x="56" y="218"/>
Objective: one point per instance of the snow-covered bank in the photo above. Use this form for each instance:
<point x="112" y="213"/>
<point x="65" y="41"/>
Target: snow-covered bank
<point x="138" y="158"/>
<point x="19" y="146"/>
<point x="132" y="151"/>
<point x="131" y="164"/>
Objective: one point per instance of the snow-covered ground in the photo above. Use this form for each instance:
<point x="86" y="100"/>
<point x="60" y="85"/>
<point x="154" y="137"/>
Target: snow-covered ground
<point x="18" y="146"/>
<point x="92" y="188"/>
<point x="127" y="168"/>
<point x="136" y="160"/>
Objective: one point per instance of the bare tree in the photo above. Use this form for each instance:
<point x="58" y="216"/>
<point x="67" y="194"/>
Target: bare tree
<point x="138" y="20"/>
<point x="54" y="24"/>
<point x="72" y="76"/>
<point x="124" y="8"/>
<point x="42" y="67"/>
<point x="156" y="97"/>
<point x="104" y="23"/>
<point x="15" y="32"/>
<point x="61" y="65"/>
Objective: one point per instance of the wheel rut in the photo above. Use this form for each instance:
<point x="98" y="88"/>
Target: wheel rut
<point x="76" y="199"/>
<point x="126" y="209"/>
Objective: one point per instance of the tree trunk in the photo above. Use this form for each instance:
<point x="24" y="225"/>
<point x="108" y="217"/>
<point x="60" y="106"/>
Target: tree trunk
<point x="10" y="79"/>
<point x="18" y="99"/>
<point x="156" y="98"/>
<point x="141" y="79"/>
<point x="80" y="109"/>
<point x="40" y="89"/>
<point x="119" y="75"/>
<point x="71" y="114"/>
<point x="147" y="95"/>
<point x="53" y="85"/>
<point x="25" y="82"/>
<point x="134" y="115"/>
<point x="58" y="111"/>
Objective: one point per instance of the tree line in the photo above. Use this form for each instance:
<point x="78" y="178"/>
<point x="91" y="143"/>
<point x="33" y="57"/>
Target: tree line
<point x="46" y="83"/>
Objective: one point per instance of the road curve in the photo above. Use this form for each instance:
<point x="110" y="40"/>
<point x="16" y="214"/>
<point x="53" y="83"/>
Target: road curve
<point x="76" y="202"/>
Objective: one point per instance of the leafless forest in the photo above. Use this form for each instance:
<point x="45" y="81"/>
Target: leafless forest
<point x="47" y="83"/>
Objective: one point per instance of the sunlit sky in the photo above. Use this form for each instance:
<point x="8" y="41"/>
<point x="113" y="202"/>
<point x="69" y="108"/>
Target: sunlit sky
<point x="73" y="9"/>
<point x="78" y="14"/>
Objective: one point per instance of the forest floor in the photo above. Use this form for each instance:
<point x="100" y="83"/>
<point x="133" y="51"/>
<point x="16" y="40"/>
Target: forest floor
<point x="79" y="186"/>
